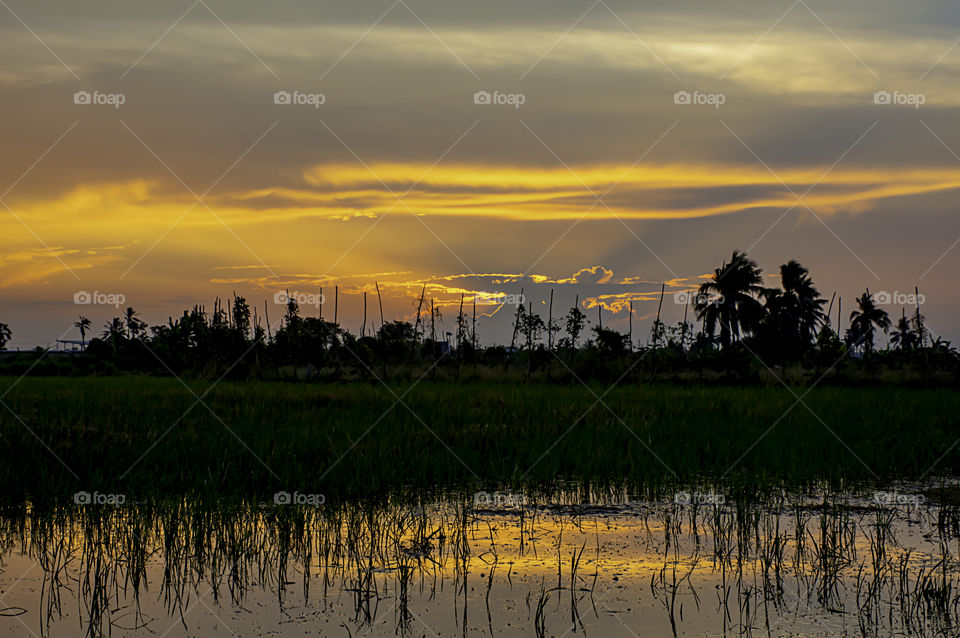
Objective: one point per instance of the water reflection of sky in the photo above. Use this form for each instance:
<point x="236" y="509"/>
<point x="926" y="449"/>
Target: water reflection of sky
<point x="643" y="569"/>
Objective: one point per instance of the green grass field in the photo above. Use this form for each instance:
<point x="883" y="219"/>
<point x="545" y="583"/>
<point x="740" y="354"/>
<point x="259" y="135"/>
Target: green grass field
<point x="149" y="437"/>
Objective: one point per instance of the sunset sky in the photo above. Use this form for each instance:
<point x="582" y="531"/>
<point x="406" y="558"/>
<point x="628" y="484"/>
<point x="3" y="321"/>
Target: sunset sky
<point x="825" y="133"/>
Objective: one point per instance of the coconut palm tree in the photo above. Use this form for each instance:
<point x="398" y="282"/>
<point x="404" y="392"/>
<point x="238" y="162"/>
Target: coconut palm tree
<point x="113" y="330"/>
<point x="943" y="347"/>
<point x="730" y="298"/>
<point x="904" y="337"/>
<point x="82" y="324"/>
<point x="134" y="325"/>
<point x="866" y="319"/>
<point x="803" y="300"/>
<point x="794" y="313"/>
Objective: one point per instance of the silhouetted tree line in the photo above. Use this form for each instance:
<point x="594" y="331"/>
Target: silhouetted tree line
<point x="745" y="329"/>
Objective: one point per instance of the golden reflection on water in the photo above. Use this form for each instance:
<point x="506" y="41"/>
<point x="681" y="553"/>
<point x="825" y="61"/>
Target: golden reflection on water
<point x="454" y="569"/>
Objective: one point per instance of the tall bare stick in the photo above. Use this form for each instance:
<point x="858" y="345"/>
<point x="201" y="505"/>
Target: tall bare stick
<point x="380" y="299"/>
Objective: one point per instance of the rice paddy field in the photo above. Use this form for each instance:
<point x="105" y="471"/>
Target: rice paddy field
<point x="142" y="506"/>
<point x="150" y="437"/>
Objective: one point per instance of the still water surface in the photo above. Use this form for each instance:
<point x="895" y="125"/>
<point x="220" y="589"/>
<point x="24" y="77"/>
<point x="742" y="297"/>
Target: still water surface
<point x="501" y="564"/>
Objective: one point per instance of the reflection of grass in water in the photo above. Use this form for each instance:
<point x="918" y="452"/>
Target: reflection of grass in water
<point x="765" y="561"/>
<point x="354" y="440"/>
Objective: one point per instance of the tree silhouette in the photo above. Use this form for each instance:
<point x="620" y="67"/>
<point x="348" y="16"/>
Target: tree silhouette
<point x="904" y="337"/>
<point x="574" y="324"/>
<point x="113" y="331"/>
<point x="292" y="316"/>
<point x="397" y="338"/>
<point x="782" y="325"/>
<point x="241" y="316"/>
<point x="730" y="298"/>
<point x="531" y="325"/>
<point x="804" y="303"/>
<point x="610" y="341"/>
<point x="83" y="324"/>
<point x="795" y="313"/>
<point x="135" y="327"/>
<point x="865" y="320"/>
<point x="5" y="335"/>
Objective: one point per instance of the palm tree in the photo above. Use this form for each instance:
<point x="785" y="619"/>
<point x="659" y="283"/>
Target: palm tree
<point x="803" y="301"/>
<point x="730" y="298"/>
<point x="944" y="347"/>
<point x="866" y="319"/>
<point x="83" y="324"/>
<point x="794" y="313"/>
<point x="5" y="335"/>
<point x="134" y="325"/>
<point x="904" y="337"/>
<point x="113" y="330"/>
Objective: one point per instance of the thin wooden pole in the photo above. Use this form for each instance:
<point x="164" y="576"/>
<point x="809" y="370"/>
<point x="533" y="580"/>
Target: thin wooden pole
<point x="416" y="326"/>
<point x="474" y="338"/>
<point x="839" y="315"/>
<point x="266" y="313"/>
<point x="600" y="314"/>
<point x="460" y="323"/>
<point x="433" y="325"/>
<point x="363" y="326"/>
<point x="683" y="330"/>
<point x="550" y="324"/>
<point x="916" y="290"/>
<point x="336" y="302"/>
<point x="663" y="287"/>
<point x="380" y="299"/>
<point x="530" y="329"/>
<point x="630" y="319"/>
<point x="516" y="322"/>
